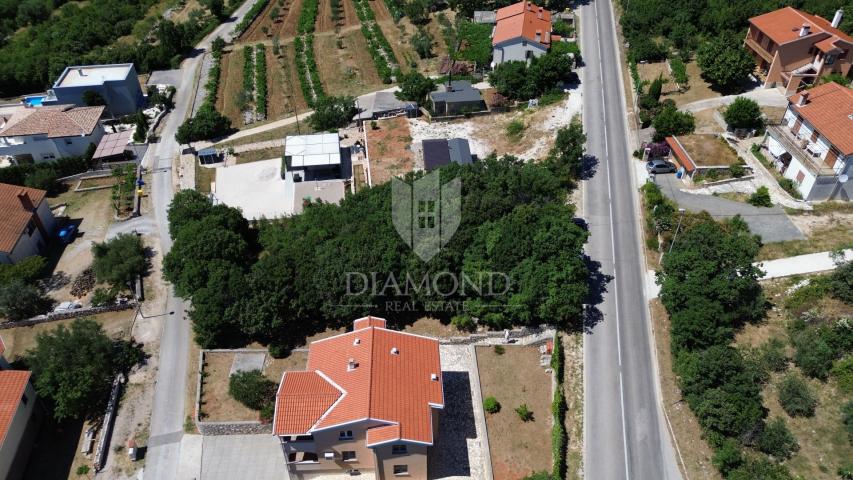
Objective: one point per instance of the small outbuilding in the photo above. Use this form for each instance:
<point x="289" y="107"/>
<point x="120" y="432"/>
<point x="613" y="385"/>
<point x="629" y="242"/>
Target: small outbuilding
<point x="440" y="152"/>
<point x="456" y="98"/>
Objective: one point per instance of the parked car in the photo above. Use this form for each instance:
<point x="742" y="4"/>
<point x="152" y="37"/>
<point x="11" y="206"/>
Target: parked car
<point x="660" y="166"/>
<point x="67" y="233"/>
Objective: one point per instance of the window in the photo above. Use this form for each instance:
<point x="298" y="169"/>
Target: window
<point x="48" y="156"/>
<point x="345" y="435"/>
<point x="348" y="456"/>
<point x="830" y="59"/>
<point x="800" y="177"/>
<point x="24" y="399"/>
<point x="401" y="469"/>
<point x="399" y="450"/>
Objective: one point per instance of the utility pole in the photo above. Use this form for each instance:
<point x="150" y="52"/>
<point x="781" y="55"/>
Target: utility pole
<point x="674" y="237"/>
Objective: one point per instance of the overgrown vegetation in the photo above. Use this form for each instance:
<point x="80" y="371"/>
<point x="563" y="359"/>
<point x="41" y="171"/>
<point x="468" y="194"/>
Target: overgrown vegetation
<point x="521" y="81"/>
<point x="251" y="15"/>
<point x="261" y="80"/>
<point x="120" y="260"/>
<point x="252" y="389"/>
<point x="559" y="435"/>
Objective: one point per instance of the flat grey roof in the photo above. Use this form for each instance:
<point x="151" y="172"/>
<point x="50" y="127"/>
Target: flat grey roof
<point x="83" y="75"/>
<point x="440" y="152"/>
<point x="459" y="91"/>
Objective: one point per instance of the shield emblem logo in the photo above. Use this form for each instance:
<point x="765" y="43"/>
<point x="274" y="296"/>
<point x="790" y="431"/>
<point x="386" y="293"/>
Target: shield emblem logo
<point x="426" y="213"/>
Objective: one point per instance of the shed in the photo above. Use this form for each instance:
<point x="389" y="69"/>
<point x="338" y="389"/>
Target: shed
<point x="457" y="98"/>
<point x="440" y="152"/>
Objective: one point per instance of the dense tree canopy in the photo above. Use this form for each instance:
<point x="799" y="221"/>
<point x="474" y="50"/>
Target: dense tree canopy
<point x="414" y="86"/>
<point x="207" y="124"/>
<point x="19" y="300"/>
<point x="331" y="113"/>
<point x="520" y="81"/>
<point x="119" y="261"/>
<point x="671" y="121"/>
<point x="724" y="62"/>
<point x="743" y="113"/>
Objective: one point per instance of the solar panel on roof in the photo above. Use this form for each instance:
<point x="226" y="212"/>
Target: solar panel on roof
<point x="112" y="144"/>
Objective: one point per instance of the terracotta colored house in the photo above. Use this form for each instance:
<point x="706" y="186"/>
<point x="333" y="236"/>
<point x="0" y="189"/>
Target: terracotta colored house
<point x="793" y="48"/>
<point x="26" y="222"/>
<point x="522" y="31"/>
<point x="19" y="419"/>
<point x="366" y="404"/>
<point x="813" y="146"/>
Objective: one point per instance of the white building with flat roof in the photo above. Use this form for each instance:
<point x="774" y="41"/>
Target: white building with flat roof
<point x="117" y="84"/>
<point x="318" y="150"/>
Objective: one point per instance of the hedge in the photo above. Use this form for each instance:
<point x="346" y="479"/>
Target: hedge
<point x="559" y="436"/>
<point x="212" y="85"/>
<point x="307" y="16"/>
<point x="378" y="46"/>
<point x="250" y="17"/>
<point x="248" y="71"/>
<point x="261" y="79"/>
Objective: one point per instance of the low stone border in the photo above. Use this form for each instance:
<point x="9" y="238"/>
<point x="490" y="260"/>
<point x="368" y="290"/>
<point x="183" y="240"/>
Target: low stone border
<point x="478" y="400"/>
<point x="523" y="336"/>
<point x="242" y="427"/>
<point x="81" y="312"/>
<point x="89" y="189"/>
<point x="729" y="180"/>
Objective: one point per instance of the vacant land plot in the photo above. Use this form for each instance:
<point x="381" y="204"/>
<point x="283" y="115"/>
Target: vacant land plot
<point x="285" y="96"/>
<point x="275" y="367"/>
<point x="389" y="149"/>
<point x="20" y="339"/>
<point x="203" y="177"/>
<point x="255" y="155"/>
<point x="651" y="71"/>
<point x="217" y="405"/>
<point x="230" y="85"/>
<point x="823" y="231"/>
<point x="98" y="182"/>
<point x="699" y="88"/>
<point x="708" y="150"/>
<point x="283" y="26"/>
<point x="348" y="70"/>
<point x="514" y="378"/>
<point x="274" y="134"/>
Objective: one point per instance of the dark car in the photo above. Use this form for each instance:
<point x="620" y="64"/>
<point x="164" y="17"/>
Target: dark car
<point x="67" y="233"/>
<point x="660" y="166"/>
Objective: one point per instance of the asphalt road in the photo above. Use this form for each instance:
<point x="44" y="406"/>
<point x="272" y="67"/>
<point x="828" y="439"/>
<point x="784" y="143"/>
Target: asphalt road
<point x="167" y="416"/>
<point x="625" y="436"/>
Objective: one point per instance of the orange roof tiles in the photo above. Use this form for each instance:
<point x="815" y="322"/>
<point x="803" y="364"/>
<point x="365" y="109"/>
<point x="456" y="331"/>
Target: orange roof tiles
<point x="523" y="20"/>
<point x="386" y="375"/>
<point x="783" y="25"/>
<point x="681" y="154"/>
<point x="12" y="385"/>
<point x="383" y="434"/>
<point x="54" y="121"/>
<point x="304" y="398"/>
<point x="829" y="108"/>
<point x="13" y="216"/>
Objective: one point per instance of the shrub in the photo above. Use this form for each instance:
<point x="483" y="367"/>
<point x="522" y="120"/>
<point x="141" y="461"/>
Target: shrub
<point x="252" y="389"/>
<point x="558" y="360"/>
<point x="795" y="396"/>
<point x="670" y="121"/>
<point x="524" y="413"/>
<point x="843" y="373"/>
<point x="727" y="456"/>
<point x="847" y="419"/>
<point x="777" y="440"/>
<point x="760" y="469"/>
<point x="841" y="282"/>
<point x="791" y="187"/>
<point x="761" y="198"/>
<point x="261" y="80"/>
<point x="814" y="352"/>
<point x="772" y="355"/>
<point x="743" y="113"/>
<point x="515" y="129"/>
<point x="499" y="349"/>
<point x="103" y="296"/>
<point x="253" y="12"/>
<point x="845" y="471"/>
<point x="491" y="405"/>
<point x="679" y="71"/>
<point x="463" y="322"/>
<point x="737" y="170"/>
<point x="644" y="48"/>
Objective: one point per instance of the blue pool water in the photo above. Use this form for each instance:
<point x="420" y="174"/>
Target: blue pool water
<point x="34" y="101"/>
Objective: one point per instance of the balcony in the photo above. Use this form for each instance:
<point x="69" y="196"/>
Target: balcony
<point x="805" y="151"/>
<point x="758" y="49"/>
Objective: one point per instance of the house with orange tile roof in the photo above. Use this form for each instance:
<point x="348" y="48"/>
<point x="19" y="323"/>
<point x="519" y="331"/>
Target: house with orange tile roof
<point x="26" y="222"/>
<point x="813" y="145"/>
<point x="522" y="31"/>
<point x="41" y="134"/>
<point x="793" y="48"/>
<point x="367" y="403"/>
<point x="19" y="420"/>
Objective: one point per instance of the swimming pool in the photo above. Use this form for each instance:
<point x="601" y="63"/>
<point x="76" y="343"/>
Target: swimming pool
<point x="34" y="101"/>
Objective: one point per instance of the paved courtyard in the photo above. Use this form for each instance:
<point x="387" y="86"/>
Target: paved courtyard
<point x="229" y="457"/>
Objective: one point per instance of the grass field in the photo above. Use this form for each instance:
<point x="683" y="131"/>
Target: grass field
<point x="514" y="378"/>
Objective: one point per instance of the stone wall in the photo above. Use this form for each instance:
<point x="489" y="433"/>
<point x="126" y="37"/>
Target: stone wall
<point x="234" y="428"/>
<point x="81" y="312"/>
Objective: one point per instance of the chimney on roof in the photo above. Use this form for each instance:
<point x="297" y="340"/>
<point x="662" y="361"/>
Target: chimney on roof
<point x="805" y="30"/>
<point x="433" y="376"/>
<point x="351" y="364"/>
<point x="395" y="351"/>
<point x="357" y="341"/>
<point x="81" y="72"/>
<point x="26" y="201"/>
<point x="804" y="98"/>
<point x="836" y="20"/>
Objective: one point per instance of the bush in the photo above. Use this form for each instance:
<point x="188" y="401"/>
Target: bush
<point x="331" y="113"/>
<point x="760" y="469"/>
<point x="843" y="373"/>
<point x="845" y="471"/>
<point x="743" y="113"/>
<point x="815" y="351"/>
<point x="524" y="413"/>
<point x="261" y="80"/>
<point x="670" y="121"/>
<point x="772" y="355"/>
<point x="679" y="71"/>
<point x="491" y="405"/>
<point x="207" y="124"/>
<point x="515" y="129"/>
<point x="644" y="48"/>
<point x="761" y="198"/>
<point x="727" y="456"/>
<point x="103" y="296"/>
<point x="737" y="170"/>
<point x="27" y="270"/>
<point x="841" y="282"/>
<point x="777" y="440"/>
<point x="19" y="301"/>
<point x="252" y="389"/>
<point x="558" y="360"/>
<point x="463" y="322"/>
<point x="499" y="349"/>
<point x="795" y="396"/>
<point x="847" y="419"/>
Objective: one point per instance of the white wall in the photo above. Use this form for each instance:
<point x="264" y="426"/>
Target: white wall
<point x="41" y="147"/>
<point x="17" y="429"/>
<point x="516" y="49"/>
<point x="796" y="167"/>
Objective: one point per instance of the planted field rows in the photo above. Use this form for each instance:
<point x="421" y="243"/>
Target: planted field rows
<point x="345" y="65"/>
<point x="279" y="19"/>
<point x="378" y="46"/>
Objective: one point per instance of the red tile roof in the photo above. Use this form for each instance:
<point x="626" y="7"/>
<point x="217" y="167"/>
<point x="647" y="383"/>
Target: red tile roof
<point x="383" y="434"/>
<point x="2" y="347"/>
<point x="13" y="216"/>
<point x="54" y="121"/>
<point x="303" y="398"/>
<point x="829" y="108"/>
<point x="784" y="25"/>
<point x="681" y="154"/>
<point x="523" y="20"/>
<point x="12" y="385"/>
<point x="385" y="375"/>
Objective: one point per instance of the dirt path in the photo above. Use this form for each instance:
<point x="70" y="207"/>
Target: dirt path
<point x="380" y="10"/>
<point x="284" y="25"/>
<point x="324" y="17"/>
<point x="350" y="17"/>
<point x="291" y="19"/>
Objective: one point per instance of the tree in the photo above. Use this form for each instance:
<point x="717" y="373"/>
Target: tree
<point x="252" y="389"/>
<point x="645" y="49"/>
<point x="187" y="206"/>
<point x="141" y="132"/>
<point x="727" y="456"/>
<point x="795" y="396"/>
<point x="216" y="7"/>
<point x="274" y="11"/>
<point x="760" y="469"/>
<point x="777" y="440"/>
<point x="702" y="324"/>
<point x="743" y="113"/>
<point x="510" y="80"/>
<point x="19" y="301"/>
<point x="120" y="260"/>
<point x="670" y="121"/>
<point x="414" y="86"/>
<point x="761" y="198"/>
<point x="724" y="62"/>
<point x="841" y="282"/>
<point x="207" y="124"/>
<point x="546" y="72"/>
<point x="332" y="112"/>
<point x="74" y="367"/>
<point x="93" y="99"/>
<point x="422" y="43"/>
<point x="566" y="157"/>
<point x="655" y="88"/>
<point x="27" y="270"/>
<point x="43" y="179"/>
<point x="417" y="10"/>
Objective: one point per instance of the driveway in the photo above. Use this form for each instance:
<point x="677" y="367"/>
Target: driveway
<point x="766" y="97"/>
<point x="771" y="223"/>
<point x="228" y="457"/>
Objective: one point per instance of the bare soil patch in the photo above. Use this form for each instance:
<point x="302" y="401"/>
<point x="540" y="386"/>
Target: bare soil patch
<point x="348" y="70"/>
<point x="432" y="327"/>
<point x="688" y="434"/>
<point x="706" y="123"/>
<point x="514" y="378"/>
<point x="275" y="367"/>
<point x="699" y="88"/>
<point x="573" y="389"/>
<point x="283" y="26"/>
<point x="380" y="11"/>
<point x="708" y="150"/>
<point x="98" y="182"/>
<point x="217" y="405"/>
<point x="230" y="83"/>
<point x="256" y="155"/>
<point x="389" y="149"/>
<point x="651" y="71"/>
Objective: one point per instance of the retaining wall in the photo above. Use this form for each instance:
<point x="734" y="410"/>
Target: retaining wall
<point x="81" y="312"/>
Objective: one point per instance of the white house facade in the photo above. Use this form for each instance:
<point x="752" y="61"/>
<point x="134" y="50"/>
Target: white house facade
<point x="43" y="134"/>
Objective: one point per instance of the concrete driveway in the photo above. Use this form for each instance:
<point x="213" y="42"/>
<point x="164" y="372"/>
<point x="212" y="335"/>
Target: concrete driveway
<point x="771" y="223"/>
